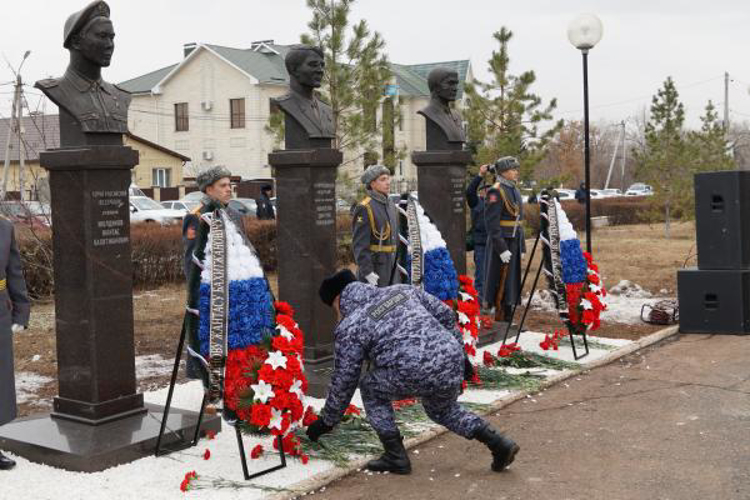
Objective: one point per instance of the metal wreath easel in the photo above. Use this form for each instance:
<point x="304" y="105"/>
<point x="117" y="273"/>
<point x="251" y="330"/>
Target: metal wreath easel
<point x="545" y="255"/>
<point x="183" y="444"/>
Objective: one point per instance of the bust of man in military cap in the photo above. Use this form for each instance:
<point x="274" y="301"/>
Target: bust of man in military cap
<point x="89" y="106"/>
<point x="305" y="65"/>
<point x="441" y="118"/>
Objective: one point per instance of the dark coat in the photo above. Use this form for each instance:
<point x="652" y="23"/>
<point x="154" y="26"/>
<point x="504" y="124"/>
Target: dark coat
<point x="501" y="218"/>
<point x="476" y="204"/>
<point x="371" y="253"/>
<point x="264" y="208"/>
<point x="14" y="309"/>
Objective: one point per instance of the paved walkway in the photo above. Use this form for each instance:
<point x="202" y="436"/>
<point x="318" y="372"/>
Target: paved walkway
<point x="669" y="422"/>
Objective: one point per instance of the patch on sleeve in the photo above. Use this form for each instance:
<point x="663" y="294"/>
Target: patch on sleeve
<point x="385" y="306"/>
<point x="190" y="233"/>
<point x="360" y="219"/>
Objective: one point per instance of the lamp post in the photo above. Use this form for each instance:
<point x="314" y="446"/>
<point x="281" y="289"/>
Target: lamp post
<point x="584" y="32"/>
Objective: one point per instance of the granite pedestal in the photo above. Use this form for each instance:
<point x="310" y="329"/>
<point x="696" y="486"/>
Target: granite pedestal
<point x="306" y="246"/>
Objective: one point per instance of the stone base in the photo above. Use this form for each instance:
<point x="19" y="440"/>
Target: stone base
<point x="495" y="334"/>
<point x="318" y="377"/>
<point x="79" y="447"/>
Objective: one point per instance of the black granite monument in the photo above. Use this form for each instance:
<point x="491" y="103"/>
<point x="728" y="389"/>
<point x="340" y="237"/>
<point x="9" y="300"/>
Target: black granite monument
<point x="306" y="215"/>
<point x="99" y="419"/>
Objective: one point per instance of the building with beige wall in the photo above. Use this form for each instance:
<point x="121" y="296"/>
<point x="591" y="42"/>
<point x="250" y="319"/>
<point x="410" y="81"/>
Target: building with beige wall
<point x="214" y="106"/>
<point x="157" y="167"/>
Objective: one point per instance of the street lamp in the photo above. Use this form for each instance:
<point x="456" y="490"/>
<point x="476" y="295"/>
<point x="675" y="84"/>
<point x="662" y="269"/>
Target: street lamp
<point x="584" y="32"/>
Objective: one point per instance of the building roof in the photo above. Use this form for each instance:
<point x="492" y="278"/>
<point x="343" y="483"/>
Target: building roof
<point x="40" y="132"/>
<point x="265" y="62"/>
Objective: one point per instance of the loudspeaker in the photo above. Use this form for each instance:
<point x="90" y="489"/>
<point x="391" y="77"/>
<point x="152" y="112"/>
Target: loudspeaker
<point x="714" y="301"/>
<point x="722" y="219"/>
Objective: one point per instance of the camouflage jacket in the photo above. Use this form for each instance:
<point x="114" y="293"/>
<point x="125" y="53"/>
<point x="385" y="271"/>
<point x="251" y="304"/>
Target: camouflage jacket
<point x="399" y="327"/>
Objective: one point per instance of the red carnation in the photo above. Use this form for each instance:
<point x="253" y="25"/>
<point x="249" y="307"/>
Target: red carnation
<point x="260" y="415"/>
<point x="256" y="452"/>
<point x="206" y="454"/>
<point x="309" y="417"/>
<point x="184" y="486"/>
<point x="487" y="359"/>
<point x="352" y="410"/>
<point x="304" y="458"/>
<point x="210" y="434"/>
<point x="283" y="308"/>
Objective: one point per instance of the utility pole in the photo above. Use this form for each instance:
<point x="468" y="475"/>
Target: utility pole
<point x="620" y="139"/>
<point x="21" y="148"/>
<point x="622" y="159"/>
<point x="726" y="100"/>
<point x="12" y="129"/>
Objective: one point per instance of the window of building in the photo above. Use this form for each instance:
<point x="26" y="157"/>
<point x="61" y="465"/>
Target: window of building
<point x="237" y="113"/>
<point x="161" y="177"/>
<point x="181" y="120"/>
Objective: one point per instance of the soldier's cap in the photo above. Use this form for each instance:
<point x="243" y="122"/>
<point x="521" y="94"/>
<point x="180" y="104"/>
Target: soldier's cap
<point x="507" y="163"/>
<point x="332" y="286"/>
<point x="208" y="177"/>
<point x="78" y="20"/>
<point x="373" y="172"/>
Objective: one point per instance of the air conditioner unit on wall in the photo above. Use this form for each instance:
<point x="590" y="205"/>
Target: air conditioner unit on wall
<point x="207" y="105"/>
<point x="208" y="155"/>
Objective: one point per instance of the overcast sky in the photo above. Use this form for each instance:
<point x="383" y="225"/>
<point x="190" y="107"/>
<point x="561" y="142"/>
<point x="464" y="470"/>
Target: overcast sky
<point x="694" y="41"/>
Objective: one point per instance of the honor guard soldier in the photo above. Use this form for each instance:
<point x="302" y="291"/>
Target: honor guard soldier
<point x="505" y="240"/>
<point x="13" y="319"/>
<point x="375" y="230"/>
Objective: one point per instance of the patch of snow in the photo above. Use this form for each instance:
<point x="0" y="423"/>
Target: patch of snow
<point x="152" y="365"/>
<point x="28" y="384"/>
<point x="629" y="289"/>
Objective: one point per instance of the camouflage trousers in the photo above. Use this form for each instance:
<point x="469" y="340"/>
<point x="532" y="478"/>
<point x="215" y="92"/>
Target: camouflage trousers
<point x="437" y="389"/>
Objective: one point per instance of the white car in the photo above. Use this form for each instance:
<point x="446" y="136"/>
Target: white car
<point x="611" y="193"/>
<point x="597" y="194"/>
<point x="639" y="189"/>
<point x="144" y="209"/>
<point x="183" y="206"/>
<point x="566" y="194"/>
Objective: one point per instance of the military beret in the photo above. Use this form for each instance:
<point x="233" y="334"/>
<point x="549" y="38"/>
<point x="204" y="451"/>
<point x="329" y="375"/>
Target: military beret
<point x="373" y="172"/>
<point x="208" y="177"/>
<point x="78" y="20"/>
<point x="506" y="163"/>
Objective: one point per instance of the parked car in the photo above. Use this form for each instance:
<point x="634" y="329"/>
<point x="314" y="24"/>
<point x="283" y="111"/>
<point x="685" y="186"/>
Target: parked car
<point x="183" y="206"/>
<point x="639" y="189"/>
<point x="30" y="213"/>
<point x="611" y="193"/>
<point x="194" y="196"/>
<point x="566" y="194"/>
<point x="144" y="209"/>
<point x="597" y="194"/>
<point x="245" y="206"/>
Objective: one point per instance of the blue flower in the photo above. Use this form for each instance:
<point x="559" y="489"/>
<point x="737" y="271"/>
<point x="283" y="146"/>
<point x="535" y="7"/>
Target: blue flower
<point x="250" y="313"/>
<point x="440" y="277"/>
<point x="573" y="262"/>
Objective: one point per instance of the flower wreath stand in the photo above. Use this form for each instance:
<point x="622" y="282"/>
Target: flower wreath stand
<point x="567" y="274"/>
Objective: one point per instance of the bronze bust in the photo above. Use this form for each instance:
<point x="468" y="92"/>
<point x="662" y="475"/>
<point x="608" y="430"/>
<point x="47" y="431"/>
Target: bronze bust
<point x="444" y="124"/>
<point x="89" y="106"/>
<point x="311" y="119"/>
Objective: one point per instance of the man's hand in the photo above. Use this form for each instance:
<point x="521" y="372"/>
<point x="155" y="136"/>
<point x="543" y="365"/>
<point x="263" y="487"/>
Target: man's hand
<point x="15" y="328"/>
<point x="505" y="256"/>
<point x="468" y="369"/>
<point x="372" y="279"/>
<point x="317" y="429"/>
<point x="483" y="169"/>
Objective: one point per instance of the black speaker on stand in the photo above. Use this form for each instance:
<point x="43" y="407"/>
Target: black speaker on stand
<point x="715" y="296"/>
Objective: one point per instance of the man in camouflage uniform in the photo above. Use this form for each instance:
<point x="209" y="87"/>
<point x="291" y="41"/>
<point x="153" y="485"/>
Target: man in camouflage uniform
<point x="413" y="348"/>
<point x="375" y="230"/>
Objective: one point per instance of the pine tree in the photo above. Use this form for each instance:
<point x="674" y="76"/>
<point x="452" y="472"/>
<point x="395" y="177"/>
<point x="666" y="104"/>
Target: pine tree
<point x="665" y="162"/>
<point x="505" y="117"/>
<point x="710" y="143"/>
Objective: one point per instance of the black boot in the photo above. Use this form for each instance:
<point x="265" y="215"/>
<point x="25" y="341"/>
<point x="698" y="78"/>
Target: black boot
<point x="394" y="459"/>
<point x="503" y="448"/>
<point x="6" y="463"/>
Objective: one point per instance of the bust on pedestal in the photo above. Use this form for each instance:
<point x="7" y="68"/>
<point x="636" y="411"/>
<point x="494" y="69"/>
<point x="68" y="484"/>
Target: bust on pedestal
<point x="99" y="419"/>
<point x="441" y="170"/>
<point x="306" y="212"/>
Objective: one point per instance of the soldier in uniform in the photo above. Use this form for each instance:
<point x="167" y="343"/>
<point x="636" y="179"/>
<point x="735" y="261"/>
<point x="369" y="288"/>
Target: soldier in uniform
<point x="263" y="206"/>
<point x="215" y="184"/>
<point x="81" y="94"/>
<point x="13" y="318"/>
<point x="505" y="240"/>
<point x="375" y="230"/>
<point x="413" y="347"/>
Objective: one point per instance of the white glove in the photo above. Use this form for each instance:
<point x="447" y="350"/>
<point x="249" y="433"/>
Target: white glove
<point x="17" y="328"/>
<point x="372" y="279"/>
<point x="505" y="256"/>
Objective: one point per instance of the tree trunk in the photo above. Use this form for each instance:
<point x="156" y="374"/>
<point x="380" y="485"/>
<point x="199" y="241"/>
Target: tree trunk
<point x="666" y="220"/>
